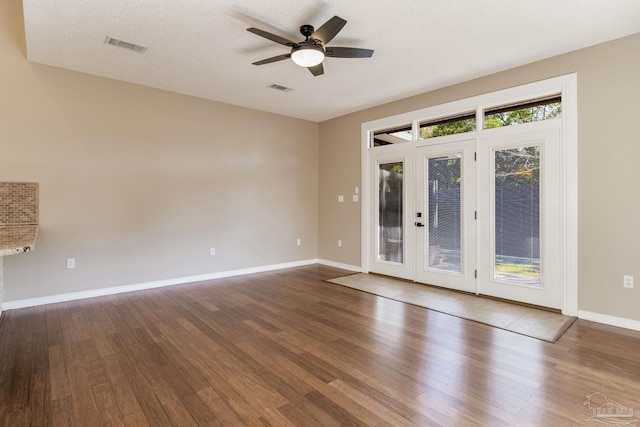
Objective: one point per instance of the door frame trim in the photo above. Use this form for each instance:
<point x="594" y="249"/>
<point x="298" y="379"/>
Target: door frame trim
<point x="566" y="85"/>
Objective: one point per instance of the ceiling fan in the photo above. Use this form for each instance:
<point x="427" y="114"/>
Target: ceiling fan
<point x="311" y="52"/>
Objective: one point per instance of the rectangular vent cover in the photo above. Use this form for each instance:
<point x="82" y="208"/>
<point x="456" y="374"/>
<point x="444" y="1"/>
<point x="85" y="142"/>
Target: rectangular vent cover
<point x="280" y="88"/>
<point x="125" y="45"/>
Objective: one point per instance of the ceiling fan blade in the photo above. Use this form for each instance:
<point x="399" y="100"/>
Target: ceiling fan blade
<point x="272" y="37"/>
<point x="273" y="59"/>
<point x="348" y="52"/>
<point x="316" y="70"/>
<point x="329" y="29"/>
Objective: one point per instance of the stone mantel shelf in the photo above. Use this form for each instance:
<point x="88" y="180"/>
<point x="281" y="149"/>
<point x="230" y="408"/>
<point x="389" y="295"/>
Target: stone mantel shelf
<point x="17" y="239"/>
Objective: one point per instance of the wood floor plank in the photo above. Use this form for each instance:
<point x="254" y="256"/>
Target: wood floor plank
<point x="231" y="383"/>
<point x="373" y="386"/>
<point x="39" y="391"/>
<point x="286" y="348"/>
<point x="388" y="415"/>
<point x="344" y="400"/>
<point x="85" y="408"/>
<point x="134" y="373"/>
<point x="125" y="398"/>
<point x="225" y="414"/>
<point x="62" y="412"/>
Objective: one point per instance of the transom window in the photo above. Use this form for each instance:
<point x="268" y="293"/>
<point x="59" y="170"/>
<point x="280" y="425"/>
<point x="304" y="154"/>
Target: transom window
<point x="525" y="112"/>
<point x="465" y="122"/>
<point x="393" y="136"/>
<point x="514" y="113"/>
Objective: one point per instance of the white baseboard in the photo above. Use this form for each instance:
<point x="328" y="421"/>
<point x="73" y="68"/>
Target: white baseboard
<point x="349" y="267"/>
<point x="620" y="322"/>
<point x="32" y="302"/>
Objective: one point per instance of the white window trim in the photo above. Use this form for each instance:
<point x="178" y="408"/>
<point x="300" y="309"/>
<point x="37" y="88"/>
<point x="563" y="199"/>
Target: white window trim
<point x="565" y="85"/>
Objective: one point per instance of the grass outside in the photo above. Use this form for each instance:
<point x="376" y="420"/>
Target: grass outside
<point x="519" y="267"/>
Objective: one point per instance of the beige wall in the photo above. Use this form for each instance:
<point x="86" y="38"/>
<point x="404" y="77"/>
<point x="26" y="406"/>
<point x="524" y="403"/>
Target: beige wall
<point x="137" y="184"/>
<point x="609" y="151"/>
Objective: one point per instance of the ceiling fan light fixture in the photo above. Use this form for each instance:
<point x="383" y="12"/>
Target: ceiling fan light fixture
<point x="310" y="52"/>
<point x="308" y="56"/>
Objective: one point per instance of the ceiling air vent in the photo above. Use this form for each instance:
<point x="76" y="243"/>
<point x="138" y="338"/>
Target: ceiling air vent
<point x="125" y="45"/>
<point x="280" y="88"/>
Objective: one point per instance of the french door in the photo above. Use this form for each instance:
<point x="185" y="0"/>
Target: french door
<point x="479" y="215"/>
<point x="519" y="243"/>
<point x="445" y="215"/>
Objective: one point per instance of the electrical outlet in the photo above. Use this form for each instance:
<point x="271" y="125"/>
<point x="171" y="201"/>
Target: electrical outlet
<point x="71" y="263"/>
<point x="339" y="243"/>
<point x="340" y="198"/>
<point x="628" y="282"/>
<point x="213" y="251"/>
<point x="299" y="242"/>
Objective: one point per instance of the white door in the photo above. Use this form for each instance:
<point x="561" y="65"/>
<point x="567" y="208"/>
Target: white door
<point x="519" y="242"/>
<point x="445" y="225"/>
<point x="391" y="251"/>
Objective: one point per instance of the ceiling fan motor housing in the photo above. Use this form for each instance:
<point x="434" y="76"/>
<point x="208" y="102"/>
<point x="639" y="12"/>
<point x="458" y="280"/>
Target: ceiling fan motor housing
<point x="307" y="30"/>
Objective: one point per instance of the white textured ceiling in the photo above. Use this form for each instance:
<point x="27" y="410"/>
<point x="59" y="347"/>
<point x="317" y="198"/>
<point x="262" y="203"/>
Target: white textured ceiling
<point x="202" y="48"/>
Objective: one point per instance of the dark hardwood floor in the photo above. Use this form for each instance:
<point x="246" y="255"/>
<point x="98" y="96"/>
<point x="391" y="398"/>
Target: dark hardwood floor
<point x="286" y="348"/>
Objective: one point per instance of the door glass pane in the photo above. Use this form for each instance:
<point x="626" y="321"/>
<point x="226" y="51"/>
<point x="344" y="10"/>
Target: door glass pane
<point x="517" y="215"/>
<point x="390" y="212"/>
<point x="444" y="243"/>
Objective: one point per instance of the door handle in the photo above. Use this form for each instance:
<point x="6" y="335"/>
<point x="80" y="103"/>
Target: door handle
<point x="419" y="224"/>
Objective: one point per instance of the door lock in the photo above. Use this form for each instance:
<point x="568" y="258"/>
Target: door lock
<point x="419" y="224"/>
